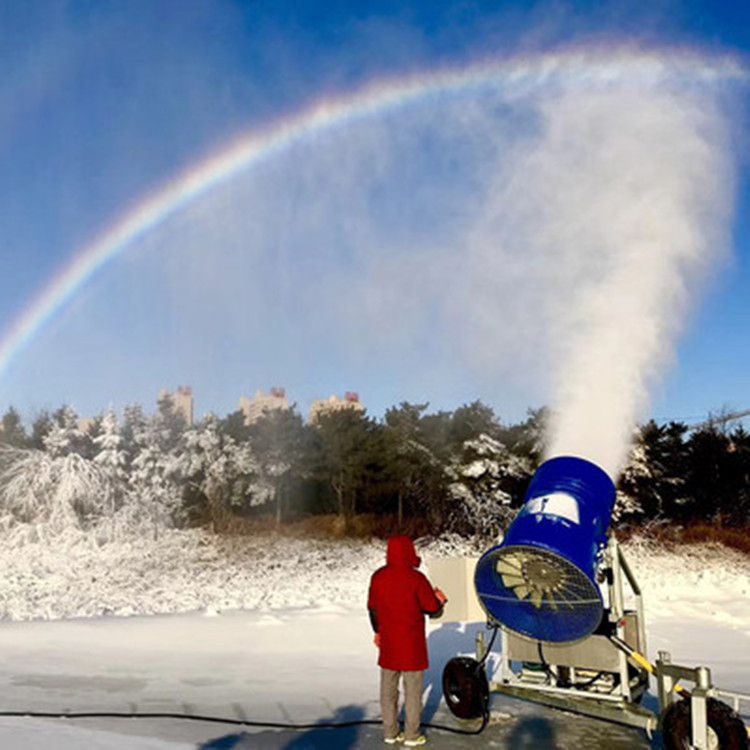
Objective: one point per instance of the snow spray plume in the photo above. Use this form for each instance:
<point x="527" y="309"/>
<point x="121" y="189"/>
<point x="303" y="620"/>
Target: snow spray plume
<point x="594" y="239"/>
<point x="633" y="190"/>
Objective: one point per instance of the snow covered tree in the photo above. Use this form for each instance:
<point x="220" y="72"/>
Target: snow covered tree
<point x="40" y="428"/>
<point x="59" y="491"/>
<point x="470" y="421"/>
<point x="216" y="473"/>
<point x="529" y="438"/>
<point x="483" y="479"/>
<point x="635" y="473"/>
<point x="133" y="423"/>
<point x="170" y="423"/>
<point x="111" y="459"/>
<point x="64" y="436"/>
<point x="656" y="474"/>
<point x="153" y="496"/>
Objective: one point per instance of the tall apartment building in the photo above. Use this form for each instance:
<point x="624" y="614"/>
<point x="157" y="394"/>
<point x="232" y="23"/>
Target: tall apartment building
<point x="86" y="424"/>
<point x="254" y="408"/>
<point x="182" y="401"/>
<point x="334" y="403"/>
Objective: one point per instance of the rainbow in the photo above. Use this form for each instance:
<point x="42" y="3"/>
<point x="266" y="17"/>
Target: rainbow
<point x="520" y="75"/>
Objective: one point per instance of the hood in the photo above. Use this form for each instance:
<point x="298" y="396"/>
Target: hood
<point x="401" y="552"/>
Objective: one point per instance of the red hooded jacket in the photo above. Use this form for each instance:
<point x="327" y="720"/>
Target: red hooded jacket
<point x="399" y="598"/>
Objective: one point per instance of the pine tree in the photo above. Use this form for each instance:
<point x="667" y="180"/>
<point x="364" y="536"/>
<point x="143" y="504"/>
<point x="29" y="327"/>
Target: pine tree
<point x="529" y="438"/>
<point x="111" y="459"/>
<point x="153" y="496"/>
<point x="635" y="474"/>
<point x="413" y="468"/>
<point x="469" y="422"/>
<point x="40" y="428"/>
<point x="12" y="431"/>
<point x="64" y="436"/>
<point x="344" y="439"/>
<point x="738" y="471"/>
<point x="656" y="476"/>
<point x="277" y="441"/>
<point x="708" y="473"/>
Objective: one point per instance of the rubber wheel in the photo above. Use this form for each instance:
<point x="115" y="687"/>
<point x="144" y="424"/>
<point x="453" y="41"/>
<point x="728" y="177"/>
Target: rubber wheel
<point x="726" y="729"/>
<point x="465" y="688"/>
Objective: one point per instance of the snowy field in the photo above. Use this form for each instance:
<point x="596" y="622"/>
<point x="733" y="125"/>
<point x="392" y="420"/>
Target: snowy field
<point x="274" y="630"/>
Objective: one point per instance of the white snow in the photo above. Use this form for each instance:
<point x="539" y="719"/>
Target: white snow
<point x="30" y="734"/>
<point x="274" y="629"/>
<point x="72" y="575"/>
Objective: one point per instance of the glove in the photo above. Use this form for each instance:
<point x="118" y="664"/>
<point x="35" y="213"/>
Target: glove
<point x="376" y="640"/>
<point x="441" y="597"/>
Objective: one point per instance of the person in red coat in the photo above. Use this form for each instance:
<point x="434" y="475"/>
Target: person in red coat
<point x="398" y="600"/>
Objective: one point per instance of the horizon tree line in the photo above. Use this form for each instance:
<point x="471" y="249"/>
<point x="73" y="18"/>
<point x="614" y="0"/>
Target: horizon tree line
<point x="462" y="471"/>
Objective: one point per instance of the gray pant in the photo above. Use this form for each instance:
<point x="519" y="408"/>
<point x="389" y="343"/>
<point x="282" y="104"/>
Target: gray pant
<point x="412" y="701"/>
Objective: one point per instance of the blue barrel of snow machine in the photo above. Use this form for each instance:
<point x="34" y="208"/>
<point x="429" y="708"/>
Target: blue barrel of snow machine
<point x="540" y="581"/>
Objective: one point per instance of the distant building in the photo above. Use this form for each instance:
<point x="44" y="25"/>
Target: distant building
<point x="254" y="408"/>
<point x="182" y="401"/>
<point x="86" y="424"/>
<point x="334" y="403"/>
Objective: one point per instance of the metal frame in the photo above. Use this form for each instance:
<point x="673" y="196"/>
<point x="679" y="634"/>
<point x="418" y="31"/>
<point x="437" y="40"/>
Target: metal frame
<point x="668" y="675"/>
<point x="614" y="691"/>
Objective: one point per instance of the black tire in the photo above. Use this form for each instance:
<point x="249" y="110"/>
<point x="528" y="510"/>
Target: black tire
<point x="727" y="726"/>
<point x="465" y="688"/>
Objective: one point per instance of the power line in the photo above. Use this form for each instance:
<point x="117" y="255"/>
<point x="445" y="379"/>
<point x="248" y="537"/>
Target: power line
<point x="701" y="422"/>
<point x="721" y="419"/>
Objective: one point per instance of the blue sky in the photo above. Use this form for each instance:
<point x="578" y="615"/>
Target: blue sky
<point x="103" y="102"/>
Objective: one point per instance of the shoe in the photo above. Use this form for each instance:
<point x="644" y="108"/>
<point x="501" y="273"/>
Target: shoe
<point x="416" y="742"/>
<point x="394" y="740"/>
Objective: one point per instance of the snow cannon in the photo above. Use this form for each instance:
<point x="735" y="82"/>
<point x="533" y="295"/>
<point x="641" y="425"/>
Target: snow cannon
<point x="540" y="581"/>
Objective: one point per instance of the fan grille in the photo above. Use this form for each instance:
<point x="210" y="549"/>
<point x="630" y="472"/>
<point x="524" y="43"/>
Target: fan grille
<point x="538" y="593"/>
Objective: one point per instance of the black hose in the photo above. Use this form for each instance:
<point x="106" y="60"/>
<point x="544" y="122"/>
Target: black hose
<point x="543" y="661"/>
<point x="554" y="677"/>
<point x="495" y="628"/>
<point x="458" y="730"/>
<point x="218" y="720"/>
<point x="247" y="722"/>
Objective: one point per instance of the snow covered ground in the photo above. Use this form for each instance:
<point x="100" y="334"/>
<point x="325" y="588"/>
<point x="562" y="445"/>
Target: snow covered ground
<point x="274" y="630"/>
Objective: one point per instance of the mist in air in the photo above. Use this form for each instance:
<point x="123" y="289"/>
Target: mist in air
<point x="600" y="237"/>
<point x="641" y="224"/>
<point x="544" y="235"/>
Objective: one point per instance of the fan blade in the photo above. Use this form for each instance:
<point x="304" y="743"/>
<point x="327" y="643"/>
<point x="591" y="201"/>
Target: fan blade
<point x="515" y="559"/>
<point x="512" y="579"/>
<point x="506" y="565"/>
<point x="521" y="591"/>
